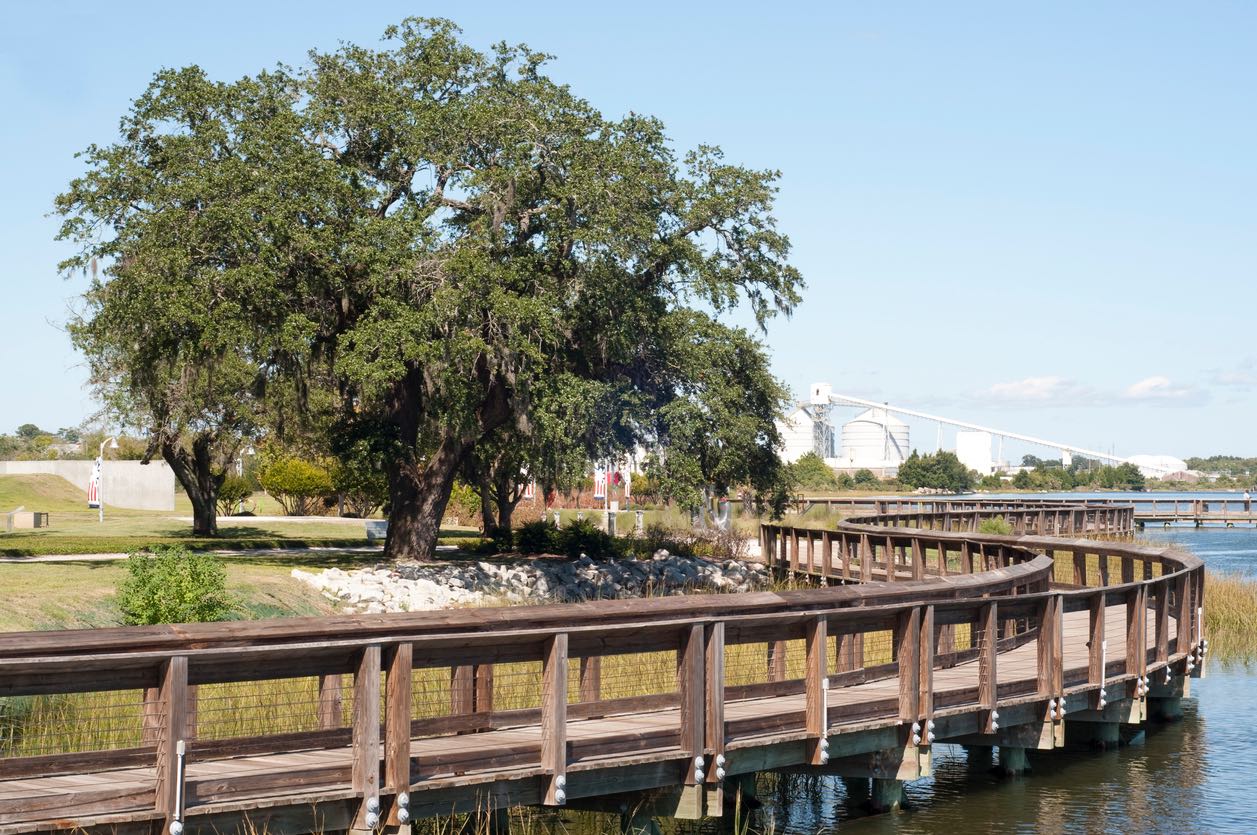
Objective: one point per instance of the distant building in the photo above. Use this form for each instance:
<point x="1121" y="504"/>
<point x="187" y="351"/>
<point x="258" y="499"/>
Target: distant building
<point x="874" y="440"/>
<point x="806" y="429"/>
<point x="1157" y="466"/>
<point x="974" y="451"/>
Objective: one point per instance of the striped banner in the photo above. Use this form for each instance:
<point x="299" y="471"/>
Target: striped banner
<point x="93" y="486"/>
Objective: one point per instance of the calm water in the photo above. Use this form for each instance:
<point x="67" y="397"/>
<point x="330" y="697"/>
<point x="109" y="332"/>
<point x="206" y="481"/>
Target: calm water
<point x="1191" y="776"/>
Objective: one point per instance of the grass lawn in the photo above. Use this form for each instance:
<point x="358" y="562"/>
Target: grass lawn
<point x="75" y="529"/>
<point x="70" y="595"/>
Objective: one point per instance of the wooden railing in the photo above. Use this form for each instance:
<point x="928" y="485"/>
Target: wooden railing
<point x="1147" y="507"/>
<point x="384" y="718"/>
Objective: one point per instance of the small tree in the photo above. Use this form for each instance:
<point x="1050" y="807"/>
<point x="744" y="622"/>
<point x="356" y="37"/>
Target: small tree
<point x="234" y="490"/>
<point x="865" y="480"/>
<point x="812" y="473"/>
<point x="296" y="484"/>
<point x="997" y="525"/>
<point x="169" y="584"/>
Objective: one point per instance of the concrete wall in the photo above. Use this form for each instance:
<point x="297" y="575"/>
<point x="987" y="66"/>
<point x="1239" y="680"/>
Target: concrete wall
<point x="128" y="484"/>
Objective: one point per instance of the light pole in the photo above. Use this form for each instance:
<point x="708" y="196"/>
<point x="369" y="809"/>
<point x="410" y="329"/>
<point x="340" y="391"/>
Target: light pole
<point x="240" y="472"/>
<point x="100" y="488"/>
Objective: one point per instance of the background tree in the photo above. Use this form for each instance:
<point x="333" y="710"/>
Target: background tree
<point x="195" y="215"/>
<point x="810" y="472"/>
<point x="719" y="429"/>
<point x="937" y="471"/>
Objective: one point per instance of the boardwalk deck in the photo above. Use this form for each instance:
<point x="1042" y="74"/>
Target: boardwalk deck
<point x="969" y="627"/>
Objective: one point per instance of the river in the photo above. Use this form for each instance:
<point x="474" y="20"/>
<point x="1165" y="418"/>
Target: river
<point x="1195" y="775"/>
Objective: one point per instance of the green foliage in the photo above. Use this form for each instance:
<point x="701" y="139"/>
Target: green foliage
<point x="539" y="537"/>
<point x="170" y="584"/>
<point x="299" y="486"/>
<point x="231" y="493"/>
<point x="29" y="432"/>
<point x="997" y="525"/>
<point x="463" y="507"/>
<point x="435" y="235"/>
<point x="359" y="479"/>
<point x="581" y="536"/>
<point x="810" y="472"/>
<point x="864" y="479"/>
<point x="937" y="471"/>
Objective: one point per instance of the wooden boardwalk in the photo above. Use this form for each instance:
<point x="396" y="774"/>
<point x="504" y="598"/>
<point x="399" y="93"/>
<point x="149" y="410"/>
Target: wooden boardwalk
<point x="978" y="639"/>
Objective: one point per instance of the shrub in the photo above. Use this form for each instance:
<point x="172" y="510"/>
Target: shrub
<point x="583" y="537"/>
<point x="233" y="491"/>
<point x="362" y="488"/>
<point x="463" y="507"/>
<point x="169" y="584"/>
<point x="865" y="479"/>
<point x="297" y="485"/>
<point x="539" y="537"/>
<point x="997" y="525"/>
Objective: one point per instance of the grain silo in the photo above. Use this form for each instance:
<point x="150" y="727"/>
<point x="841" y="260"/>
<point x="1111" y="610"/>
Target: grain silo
<point x="874" y="440"/>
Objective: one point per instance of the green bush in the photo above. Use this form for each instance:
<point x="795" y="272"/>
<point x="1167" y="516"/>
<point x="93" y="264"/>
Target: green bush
<point x="539" y="537"/>
<point x="297" y="485"/>
<point x="811" y="472"/>
<point x="463" y="508"/>
<point x="583" y="537"/>
<point x="234" y="490"/>
<point x="997" y="525"/>
<point x="170" y="584"/>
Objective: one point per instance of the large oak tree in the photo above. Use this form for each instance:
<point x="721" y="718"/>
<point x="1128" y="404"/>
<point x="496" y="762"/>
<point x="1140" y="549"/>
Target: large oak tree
<point x="449" y="231"/>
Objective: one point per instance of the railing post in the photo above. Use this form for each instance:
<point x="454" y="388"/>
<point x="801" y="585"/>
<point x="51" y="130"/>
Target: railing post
<point x="714" y="691"/>
<point x="827" y="554"/>
<point x="331" y="702"/>
<point x="590" y="678"/>
<point x="988" y="655"/>
<point x="397" y="692"/>
<point x="554" y="719"/>
<point x="1183" y="617"/>
<point x="172" y="698"/>
<point x="1136" y="631"/>
<point x="925" y="669"/>
<point x="907" y="650"/>
<point x="1097" y="648"/>
<point x="918" y="559"/>
<point x="817" y="691"/>
<point x="691" y="673"/>
<point x="365" y="770"/>
<point x="1050" y="655"/>
<point x="891" y="559"/>
<point x="1080" y="567"/>
<point x="462" y="689"/>
<point x="866" y="558"/>
<point x="1162" y="613"/>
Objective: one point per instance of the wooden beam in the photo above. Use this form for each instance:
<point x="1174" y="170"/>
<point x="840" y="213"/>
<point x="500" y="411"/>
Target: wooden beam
<point x="173" y="699"/>
<point x="365" y="769"/>
<point x="816" y="683"/>
<point x="1162" y="613"/>
<point x="987" y="629"/>
<point x="397" y="718"/>
<point x="1097" y="646"/>
<point x="554" y="718"/>
<point x="331" y="702"/>
<point x="714" y="695"/>
<point x="691" y="673"/>
<point x="591" y="678"/>
<point x="925" y="671"/>
<point x="907" y="641"/>
<point x="483" y="696"/>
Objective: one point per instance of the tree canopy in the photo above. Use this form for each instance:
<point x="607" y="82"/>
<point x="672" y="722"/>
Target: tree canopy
<point x="430" y="236"/>
<point x="936" y="471"/>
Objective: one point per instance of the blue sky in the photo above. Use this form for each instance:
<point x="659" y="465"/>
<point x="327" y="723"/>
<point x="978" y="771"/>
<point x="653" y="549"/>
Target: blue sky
<point x="1039" y="218"/>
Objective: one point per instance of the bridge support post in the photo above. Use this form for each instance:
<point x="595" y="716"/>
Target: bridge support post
<point x="1165" y="701"/>
<point x="365" y="770"/>
<point x="1013" y="761"/>
<point x="887" y="794"/>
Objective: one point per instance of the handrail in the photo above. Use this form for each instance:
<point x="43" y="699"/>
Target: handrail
<point x="906" y="595"/>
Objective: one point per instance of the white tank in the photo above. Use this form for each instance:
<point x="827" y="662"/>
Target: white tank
<point x="874" y="439"/>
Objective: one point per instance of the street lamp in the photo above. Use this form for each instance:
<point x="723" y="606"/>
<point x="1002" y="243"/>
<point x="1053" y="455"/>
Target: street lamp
<point x="249" y="450"/>
<point x="100" y="487"/>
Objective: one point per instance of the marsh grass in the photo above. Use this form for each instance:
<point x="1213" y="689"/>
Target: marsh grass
<point x="1231" y="617"/>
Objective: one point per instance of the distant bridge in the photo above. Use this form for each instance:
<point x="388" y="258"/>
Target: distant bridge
<point x="925" y="631"/>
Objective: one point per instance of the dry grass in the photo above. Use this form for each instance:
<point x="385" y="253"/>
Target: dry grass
<point x="1231" y="617"/>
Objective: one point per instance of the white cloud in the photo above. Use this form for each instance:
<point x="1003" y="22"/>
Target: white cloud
<point x="1161" y="389"/>
<point x="1242" y="376"/>
<point x="1049" y="390"/>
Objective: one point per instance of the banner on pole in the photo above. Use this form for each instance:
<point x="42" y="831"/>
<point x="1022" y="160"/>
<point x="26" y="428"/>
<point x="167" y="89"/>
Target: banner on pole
<point x="93" y="486"/>
<point x="628" y="483"/>
<point x="530" y="491"/>
<point x="600" y="483"/>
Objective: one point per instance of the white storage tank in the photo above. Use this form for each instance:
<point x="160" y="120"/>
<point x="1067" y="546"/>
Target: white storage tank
<point x="874" y="439"/>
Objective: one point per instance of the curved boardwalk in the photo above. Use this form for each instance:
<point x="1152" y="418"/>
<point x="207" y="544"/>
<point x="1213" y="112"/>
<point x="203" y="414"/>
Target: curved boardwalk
<point x="923" y="631"/>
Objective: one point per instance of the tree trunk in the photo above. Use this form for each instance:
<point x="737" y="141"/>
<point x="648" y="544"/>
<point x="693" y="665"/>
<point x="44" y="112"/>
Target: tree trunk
<point x="195" y="472"/>
<point x="419" y="495"/>
<point x="506" y="496"/>
<point x="488" y="518"/>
